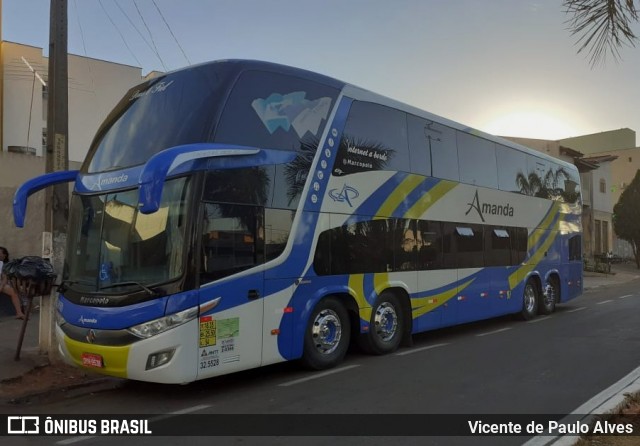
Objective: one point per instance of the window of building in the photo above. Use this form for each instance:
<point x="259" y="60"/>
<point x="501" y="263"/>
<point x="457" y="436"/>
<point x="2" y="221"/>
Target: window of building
<point x="603" y="186"/>
<point x="605" y="236"/>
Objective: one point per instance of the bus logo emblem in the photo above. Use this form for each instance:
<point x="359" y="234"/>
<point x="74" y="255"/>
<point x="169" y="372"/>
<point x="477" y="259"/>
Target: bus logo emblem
<point x="347" y="194"/>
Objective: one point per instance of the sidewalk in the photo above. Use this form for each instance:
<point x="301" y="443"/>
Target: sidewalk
<point x="31" y="358"/>
<point x="620" y="273"/>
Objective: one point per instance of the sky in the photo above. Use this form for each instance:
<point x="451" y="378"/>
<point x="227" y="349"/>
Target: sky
<point x="505" y="67"/>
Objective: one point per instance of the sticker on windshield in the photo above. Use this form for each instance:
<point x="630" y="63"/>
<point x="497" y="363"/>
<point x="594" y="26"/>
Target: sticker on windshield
<point x="292" y="110"/>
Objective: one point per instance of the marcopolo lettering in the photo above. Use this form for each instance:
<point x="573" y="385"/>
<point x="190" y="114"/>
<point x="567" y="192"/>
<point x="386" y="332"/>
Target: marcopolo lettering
<point x="504" y="210"/>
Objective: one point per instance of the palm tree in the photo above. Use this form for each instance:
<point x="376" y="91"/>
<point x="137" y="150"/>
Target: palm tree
<point x="603" y="26"/>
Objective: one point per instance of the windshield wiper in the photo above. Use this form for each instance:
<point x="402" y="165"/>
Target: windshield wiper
<point x="149" y="291"/>
<point x="64" y="285"/>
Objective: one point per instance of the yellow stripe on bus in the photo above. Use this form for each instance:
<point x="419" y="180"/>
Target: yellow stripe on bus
<point x="430" y="198"/>
<point x="356" y="285"/>
<point x="544" y="225"/>
<point x="522" y="272"/>
<point x="398" y="195"/>
<point x="380" y="282"/>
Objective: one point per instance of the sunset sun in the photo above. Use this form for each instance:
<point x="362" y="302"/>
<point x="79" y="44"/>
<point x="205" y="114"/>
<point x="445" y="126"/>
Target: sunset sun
<point x="530" y="124"/>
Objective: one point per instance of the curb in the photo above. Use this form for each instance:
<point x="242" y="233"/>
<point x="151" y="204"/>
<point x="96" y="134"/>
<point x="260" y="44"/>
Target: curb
<point x="606" y="402"/>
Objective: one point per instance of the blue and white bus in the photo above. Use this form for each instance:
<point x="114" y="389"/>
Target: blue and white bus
<point x="240" y="213"/>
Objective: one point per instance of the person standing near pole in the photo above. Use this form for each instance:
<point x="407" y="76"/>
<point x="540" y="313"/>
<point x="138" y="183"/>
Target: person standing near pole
<point x="5" y="286"/>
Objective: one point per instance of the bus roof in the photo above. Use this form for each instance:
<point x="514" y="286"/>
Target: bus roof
<point x="360" y="93"/>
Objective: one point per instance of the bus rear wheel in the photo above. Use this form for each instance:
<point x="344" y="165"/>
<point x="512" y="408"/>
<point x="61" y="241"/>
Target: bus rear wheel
<point x="529" y="300"/>
<point x="386" y="325"/>
<point x="549" y="298"/>
<point x="327" y="336"/>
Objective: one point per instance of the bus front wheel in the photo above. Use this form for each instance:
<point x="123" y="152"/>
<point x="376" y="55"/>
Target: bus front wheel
<point x="529" y="301"/>
<point x="327" y="336"/>
<point x="386" y="325"/>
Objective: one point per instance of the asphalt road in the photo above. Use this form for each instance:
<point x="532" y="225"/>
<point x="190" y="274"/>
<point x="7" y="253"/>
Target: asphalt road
<point x="550" y="365"/>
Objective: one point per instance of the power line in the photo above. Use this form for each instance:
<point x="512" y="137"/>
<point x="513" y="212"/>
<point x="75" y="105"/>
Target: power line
<point x="124" y="13"/>
<point x="119" y="32"/>
<point x="84" y="46"/>
<point x="135" y="3"/>
<point x="171" y="31"/>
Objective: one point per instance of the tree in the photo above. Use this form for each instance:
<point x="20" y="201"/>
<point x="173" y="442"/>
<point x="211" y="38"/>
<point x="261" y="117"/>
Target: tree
<point x="626" y="215"/>
<point x="604" y="26"/>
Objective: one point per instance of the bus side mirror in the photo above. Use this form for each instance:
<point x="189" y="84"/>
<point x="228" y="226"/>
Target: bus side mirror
<point x="161" y="164"/>
<point x="34" y="185"/>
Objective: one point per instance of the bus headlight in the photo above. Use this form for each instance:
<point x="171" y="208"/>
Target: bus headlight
<point x="157" y="326"/>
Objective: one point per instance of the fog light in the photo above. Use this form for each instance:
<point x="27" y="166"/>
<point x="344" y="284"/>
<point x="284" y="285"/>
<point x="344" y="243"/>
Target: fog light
<point x="159" y="358"/>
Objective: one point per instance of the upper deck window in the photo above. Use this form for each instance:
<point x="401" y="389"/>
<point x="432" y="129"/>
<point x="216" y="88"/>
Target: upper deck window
<point x="276" y="111"/>
<point x="175" y="109"/>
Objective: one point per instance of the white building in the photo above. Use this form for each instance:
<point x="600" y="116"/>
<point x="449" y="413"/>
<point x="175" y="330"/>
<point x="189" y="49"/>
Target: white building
<point x="95" y="86"/>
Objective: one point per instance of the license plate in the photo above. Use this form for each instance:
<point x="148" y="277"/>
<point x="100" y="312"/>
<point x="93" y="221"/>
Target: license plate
<point x="92" y="360"/>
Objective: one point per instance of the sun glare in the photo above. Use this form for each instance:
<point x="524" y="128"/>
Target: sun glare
<point x="530" y="124"/>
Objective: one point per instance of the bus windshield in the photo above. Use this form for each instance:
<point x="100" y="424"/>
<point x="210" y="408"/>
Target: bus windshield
<point x="113" y="247"/>
<point x="167" y="111"/>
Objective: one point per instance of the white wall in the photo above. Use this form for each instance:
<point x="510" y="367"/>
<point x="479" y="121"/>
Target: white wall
<point x="602" y="201"/>
<point x="95" y="86"/>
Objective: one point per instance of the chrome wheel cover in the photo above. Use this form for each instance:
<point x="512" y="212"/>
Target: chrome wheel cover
<point x="529" y="298"/>
<point x="549" y="295"/>
<point x="385" y="321"/>
<point x="326" y="331"/>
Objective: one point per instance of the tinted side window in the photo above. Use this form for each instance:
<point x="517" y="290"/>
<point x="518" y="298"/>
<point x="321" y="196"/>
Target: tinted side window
<point x="366" y="251"/>
<point x="477" y="160"/>
<point x="512" y="169"/>
<point x="430" y="246"/>
<point x="374" y="138"/>
<point x="250" y="185"/>
<point x="519" y="241"/>
<point x="231" y="240"/>
<point x="288" y="183"/>
<point x="575" y="248"/>
<point x="497" y="244"/>
<point x="406" y="248"/>
<point x="470" y="247"/>
<point x="449" y="249"/>
<point x="277" y="227"/>
<point x="421" y="137"/>
<point x="441" y="140"/>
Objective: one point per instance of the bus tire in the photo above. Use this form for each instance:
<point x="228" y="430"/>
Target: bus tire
<point x="386" y="326"/>
<point x="530" y="300"/>
<point x="549" y="298"/>
<point x="327" y="335"/>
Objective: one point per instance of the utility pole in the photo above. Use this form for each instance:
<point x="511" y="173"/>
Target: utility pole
<point x="57" y="159"/>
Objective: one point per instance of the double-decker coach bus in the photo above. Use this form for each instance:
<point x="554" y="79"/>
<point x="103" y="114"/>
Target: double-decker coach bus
<point x="240" y="213"/>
